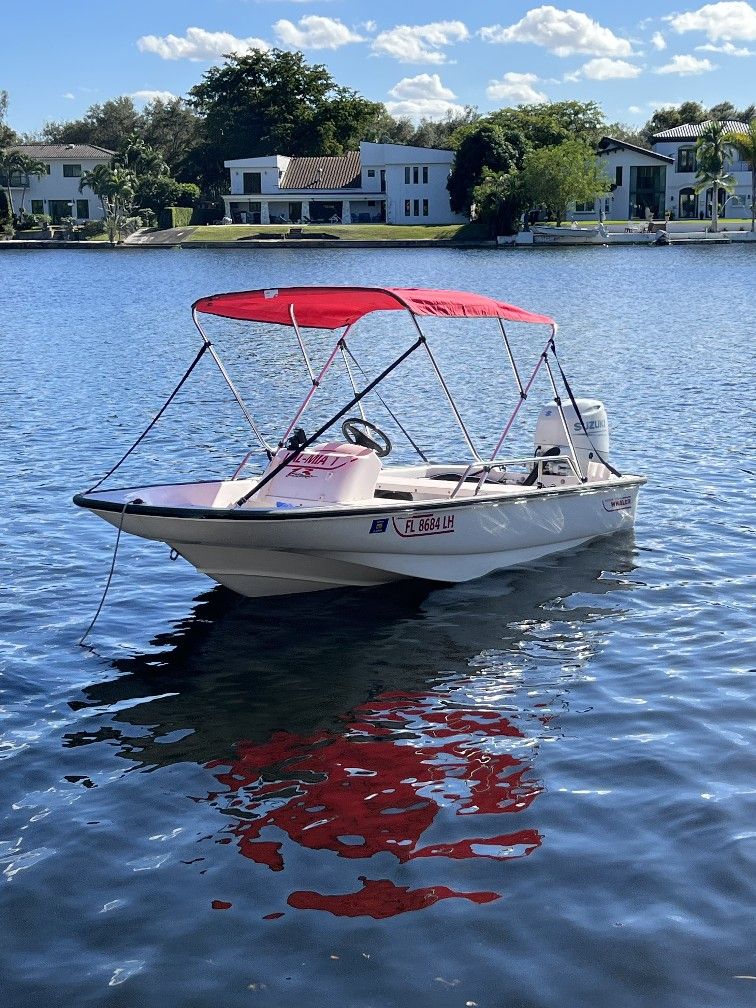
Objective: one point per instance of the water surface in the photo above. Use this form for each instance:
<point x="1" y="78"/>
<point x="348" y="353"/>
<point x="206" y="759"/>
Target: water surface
<point x="535" y="789"/>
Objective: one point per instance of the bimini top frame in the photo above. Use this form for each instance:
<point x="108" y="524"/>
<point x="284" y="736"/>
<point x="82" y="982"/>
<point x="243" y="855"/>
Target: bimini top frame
<point x="336" y="307"/>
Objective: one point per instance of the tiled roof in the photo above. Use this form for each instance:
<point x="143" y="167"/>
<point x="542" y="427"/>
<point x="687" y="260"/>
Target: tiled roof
<point x="691" y="131"/>
<point x="53" y="151"/>
<point x="608" y="143"/>
<point x="323" y="172"/>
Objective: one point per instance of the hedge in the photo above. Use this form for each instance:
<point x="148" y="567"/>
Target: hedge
<point x="176" y="217"/>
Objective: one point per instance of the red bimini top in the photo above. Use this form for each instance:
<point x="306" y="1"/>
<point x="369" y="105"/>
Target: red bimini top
<point x="333" y="307"/>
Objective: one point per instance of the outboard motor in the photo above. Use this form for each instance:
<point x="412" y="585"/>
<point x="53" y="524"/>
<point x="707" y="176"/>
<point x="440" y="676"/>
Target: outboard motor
<point x="550" y="435"/>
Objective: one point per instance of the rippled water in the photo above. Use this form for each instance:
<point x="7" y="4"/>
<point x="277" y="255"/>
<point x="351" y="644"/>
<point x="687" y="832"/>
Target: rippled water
<point x="533" y="790"/>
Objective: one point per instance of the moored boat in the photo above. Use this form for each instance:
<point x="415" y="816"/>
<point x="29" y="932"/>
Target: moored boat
<point x="328" y="513"/>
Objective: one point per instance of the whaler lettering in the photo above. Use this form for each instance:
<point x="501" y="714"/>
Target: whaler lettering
<point x="617" y="504"/>
<point x="422" y="525"/>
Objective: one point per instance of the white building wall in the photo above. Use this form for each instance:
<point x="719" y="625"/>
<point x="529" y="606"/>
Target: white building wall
<point x="431" y="164"/>
<point x="56" y="186"/>
<point x="676" y="181"/>
<point x="271" y="169"/>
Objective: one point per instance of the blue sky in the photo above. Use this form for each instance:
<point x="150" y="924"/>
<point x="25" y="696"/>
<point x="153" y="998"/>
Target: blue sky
<point x="421" y="58"/>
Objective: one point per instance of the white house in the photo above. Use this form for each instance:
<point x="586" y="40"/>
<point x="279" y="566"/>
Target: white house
<point x="380" y="183"/>
<point x="680" y="145"/>
<point x="649" y="183"/>
<point x="56" y="193"/>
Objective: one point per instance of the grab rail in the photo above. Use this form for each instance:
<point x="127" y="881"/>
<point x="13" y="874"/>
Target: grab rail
<point x="489" y="466"/>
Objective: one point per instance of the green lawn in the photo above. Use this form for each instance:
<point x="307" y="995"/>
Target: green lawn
<point x="357" y="232"/>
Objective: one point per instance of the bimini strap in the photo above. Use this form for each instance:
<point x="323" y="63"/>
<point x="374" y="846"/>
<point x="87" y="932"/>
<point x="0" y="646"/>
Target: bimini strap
<point x="596" y="452"/>
<point x="163" y="408"/>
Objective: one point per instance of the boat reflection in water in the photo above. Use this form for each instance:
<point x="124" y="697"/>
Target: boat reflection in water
<point x="399" y="731"/>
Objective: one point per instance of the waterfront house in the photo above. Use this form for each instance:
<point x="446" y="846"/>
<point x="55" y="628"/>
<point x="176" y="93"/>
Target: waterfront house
<point x="648" y="183"/>
<point x="56" y="193"/>
<point x="379" y="183"/>
<point x="682" y="200"/>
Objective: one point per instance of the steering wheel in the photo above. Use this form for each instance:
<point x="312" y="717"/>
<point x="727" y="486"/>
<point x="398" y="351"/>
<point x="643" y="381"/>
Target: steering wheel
<point x="354" y="430"/>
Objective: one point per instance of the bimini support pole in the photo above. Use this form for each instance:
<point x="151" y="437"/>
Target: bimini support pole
<point x="315" y="384"/>
<point x="563" y="418"/>
<point x="343" y="347"/>
<point x="293" y="318"/>
<point x="524" y="391"/>
<point x="515" y="372"/>
<point x="445" y="387"/>
<point x="209" y="346"/>
<point x="356" y="398"/>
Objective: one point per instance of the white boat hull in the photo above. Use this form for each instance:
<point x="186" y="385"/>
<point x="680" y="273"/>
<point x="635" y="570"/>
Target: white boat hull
<point x="264" y="552"/>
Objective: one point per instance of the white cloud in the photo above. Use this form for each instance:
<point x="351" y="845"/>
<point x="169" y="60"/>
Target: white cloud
<point x="422" y="97"/>
<point x="635" y="110"/>
<point x="731" y="21"/>
<point x="148" y="96"/>
<point x="563" y="32"/>
<point x="727" y="48"/>
<point x="67" y="94"/>
<point x="314" y="32"/>
<point x="420" y="43"/>
<point x="198" y="44"/>
<point x="602" y="68"/>
<point x="658" y="41"/>
<point x="515" y="87"/>
<point x="686" y="66"/>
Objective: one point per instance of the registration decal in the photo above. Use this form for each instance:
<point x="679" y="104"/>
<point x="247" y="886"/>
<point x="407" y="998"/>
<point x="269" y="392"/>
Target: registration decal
<point x="617" y="504"/>
<point x="424" y="524"/>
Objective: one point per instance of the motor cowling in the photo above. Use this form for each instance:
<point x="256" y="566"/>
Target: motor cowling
<point x="550" y="432"/>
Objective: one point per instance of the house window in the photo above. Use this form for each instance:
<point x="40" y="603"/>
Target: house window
<point x="371" y="173"/>
<point x="618" y="175"/>
<point x="425" y="174"/>
<point x="18" y="180"/>
<point x="415" y="176"/>
<point x="371" y="202"/>
<point x="38" y="206"/>
<point x="416" y="208"/>
<point x="587" y="207"/>
<point x="82" y="209"/>
<point x="425" y="208"/>
<point x="407" y="207"/>
<point x="406" y="175"/>
<point x="71" y="171"/>
<point x="252" y="182"/>
<point x="47" y="169"/>
<point x="686" y="159"/>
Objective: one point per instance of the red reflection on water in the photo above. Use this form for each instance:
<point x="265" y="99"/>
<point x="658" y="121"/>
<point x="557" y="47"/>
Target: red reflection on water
<point x="379" y="787"/>
<point x="380" y="898"/>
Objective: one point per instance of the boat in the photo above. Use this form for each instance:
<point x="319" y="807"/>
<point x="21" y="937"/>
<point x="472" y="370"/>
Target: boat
<point x="327" y="510"/>
<point x="568" y="235"/>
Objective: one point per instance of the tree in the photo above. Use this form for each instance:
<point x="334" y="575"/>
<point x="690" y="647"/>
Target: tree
<point x="103" y="125"/>
<point x="170" y="127"/>
<point x="744" y="142"/>
<point x="712" y="151"/>
<point x="7" y="136"/>
<point x="266" y="102"/>
<point x="547" y="124"/>
<point x="499" y="200"/>
<point x="668" y="118"/>
<point x="14" y="163"/>
<point x="483" y="145"/>
<point x="555" y="176"/>
<point x="115" y="188"/>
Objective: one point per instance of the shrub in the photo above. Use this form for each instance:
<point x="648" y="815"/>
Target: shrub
<point x="174" y="217"/>
<point x="92" y="228"/>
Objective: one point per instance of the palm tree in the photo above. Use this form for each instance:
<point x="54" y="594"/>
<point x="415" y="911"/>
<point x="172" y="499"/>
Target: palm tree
<point x="15" y="162"/>
<point x="744" y="142"/>
<point x="712" y="151"/>
<point x="29" y="166"/>
<point x="115" y="187"/>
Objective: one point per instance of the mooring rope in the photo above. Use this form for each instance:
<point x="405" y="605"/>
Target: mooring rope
<point x="110" y="576"/>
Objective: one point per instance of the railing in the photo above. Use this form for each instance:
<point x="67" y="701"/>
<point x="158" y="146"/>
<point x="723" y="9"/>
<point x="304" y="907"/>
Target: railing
<point x="487" y="468"/>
